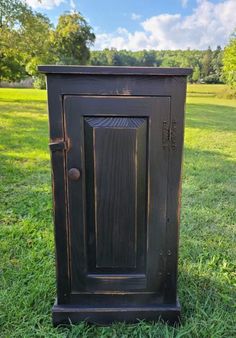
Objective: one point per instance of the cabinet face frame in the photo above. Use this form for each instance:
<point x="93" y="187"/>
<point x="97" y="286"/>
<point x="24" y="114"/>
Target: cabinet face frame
<point x="144" y="118"/>
<point x="60" y="85"/>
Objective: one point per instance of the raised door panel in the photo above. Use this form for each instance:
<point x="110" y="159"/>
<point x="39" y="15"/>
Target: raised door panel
<point x="115" y="169"/>
<point x="117" y="208"/>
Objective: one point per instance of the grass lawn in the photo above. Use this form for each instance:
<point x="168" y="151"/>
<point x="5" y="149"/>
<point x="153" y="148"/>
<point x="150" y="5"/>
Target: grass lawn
<point x="207" y="264"/>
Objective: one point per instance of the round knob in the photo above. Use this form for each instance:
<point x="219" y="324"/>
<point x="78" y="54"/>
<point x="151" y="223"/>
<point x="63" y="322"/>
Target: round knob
<point x="74" y="174"/>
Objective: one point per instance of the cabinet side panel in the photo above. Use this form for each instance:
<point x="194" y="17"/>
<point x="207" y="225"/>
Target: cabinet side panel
<point x="56" y="129"/>
<point x="174" y="185"/>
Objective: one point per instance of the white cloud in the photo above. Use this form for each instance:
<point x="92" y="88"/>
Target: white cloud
<point x="122" y="39"/>
<point x="72" y="5"/>
<point x="209" y="24"/>
<point x="135" y="16"/>
<point x="47" y="4"/>
<point x="184" y="3"/>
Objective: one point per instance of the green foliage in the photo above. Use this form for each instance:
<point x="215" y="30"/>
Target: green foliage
<point x="12" y="15"/>
<point x="11" y="66"/>
<point x="229" y="60"/>
<point x="12" y="11"/>
<point x="196" y="74"/>
<point x="206" y="64"/>
<point x="207" y="278"/>
<point x="25" y="41"/>
<point x="72" y="38"/>
<point x="29" y="39"/>
<point x="39" y="81"/>
<point x="217" y="63"/>
<point x="148" y="58"/>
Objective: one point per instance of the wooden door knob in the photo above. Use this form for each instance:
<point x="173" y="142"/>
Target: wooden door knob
<point x="74" y="174"/>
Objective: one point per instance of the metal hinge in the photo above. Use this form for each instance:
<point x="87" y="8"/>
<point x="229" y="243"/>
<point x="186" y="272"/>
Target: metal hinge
<point x="173" y="135"/>
<point x="169" y="135"/>
<point x="59" y="145"/>
<point x="165" y="135"/>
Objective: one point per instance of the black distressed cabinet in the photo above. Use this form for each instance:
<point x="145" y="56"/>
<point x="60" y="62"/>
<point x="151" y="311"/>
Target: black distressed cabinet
<point x="116" y="138"/>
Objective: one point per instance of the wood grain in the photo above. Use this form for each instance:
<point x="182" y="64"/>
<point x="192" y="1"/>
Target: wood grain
<point x="114" y="170"/>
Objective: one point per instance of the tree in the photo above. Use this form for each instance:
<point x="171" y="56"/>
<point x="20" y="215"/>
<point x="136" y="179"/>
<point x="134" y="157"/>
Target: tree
<point x="24" y="43"/>
<point x="148" y="58"/>
<point x="206" y="62"/>
<point x="196" y="74"/>
<point x="98" y="59"/>
<point x="12" y="11"/>
<point x="202" y="62"/>
<point x="217" y="63"/>
<point x="29" y="39"/>
<point x="72" y="38"/>
<point x="39" y="49"/>
<point x="12" y="14"/>
<point x="113" y="57"/>
<point x="229" y="61"/>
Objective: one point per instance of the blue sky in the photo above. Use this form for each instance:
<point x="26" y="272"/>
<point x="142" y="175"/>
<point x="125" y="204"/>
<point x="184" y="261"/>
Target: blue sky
<point x="151" y="24"/>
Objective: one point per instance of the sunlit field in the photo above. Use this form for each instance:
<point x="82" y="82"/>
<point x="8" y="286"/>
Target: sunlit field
<point x="207" y="262"/>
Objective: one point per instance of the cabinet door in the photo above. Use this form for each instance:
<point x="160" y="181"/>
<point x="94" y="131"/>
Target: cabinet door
<point x="117" y="208"/>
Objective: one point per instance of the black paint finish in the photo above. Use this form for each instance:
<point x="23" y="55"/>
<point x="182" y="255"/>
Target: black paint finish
<point x="116" y="137"/>
<point x="115" y="156"/>
<point x="111" y="70"/>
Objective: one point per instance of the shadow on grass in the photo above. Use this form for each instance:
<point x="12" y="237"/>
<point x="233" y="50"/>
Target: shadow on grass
<point x="209" y="116"/>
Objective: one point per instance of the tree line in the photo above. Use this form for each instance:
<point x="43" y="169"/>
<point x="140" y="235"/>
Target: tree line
<point x="207" y="64"/>
<point x="28" y="38"/>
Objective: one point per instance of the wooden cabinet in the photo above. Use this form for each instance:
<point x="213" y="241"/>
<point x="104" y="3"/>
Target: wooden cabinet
<point x="116" y="148"/>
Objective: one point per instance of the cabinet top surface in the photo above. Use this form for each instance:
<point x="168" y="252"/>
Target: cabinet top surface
<point x="108" y="70"/>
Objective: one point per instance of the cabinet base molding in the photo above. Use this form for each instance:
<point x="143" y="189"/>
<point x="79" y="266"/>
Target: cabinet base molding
<point x="72" y="314"/>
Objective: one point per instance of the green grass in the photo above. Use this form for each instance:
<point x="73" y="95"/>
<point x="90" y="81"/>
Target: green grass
<point x="211" y="90"/>
<point x="207" y="265"/>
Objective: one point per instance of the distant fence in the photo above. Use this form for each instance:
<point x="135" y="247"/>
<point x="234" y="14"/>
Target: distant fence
<point x="27" y="83"/>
